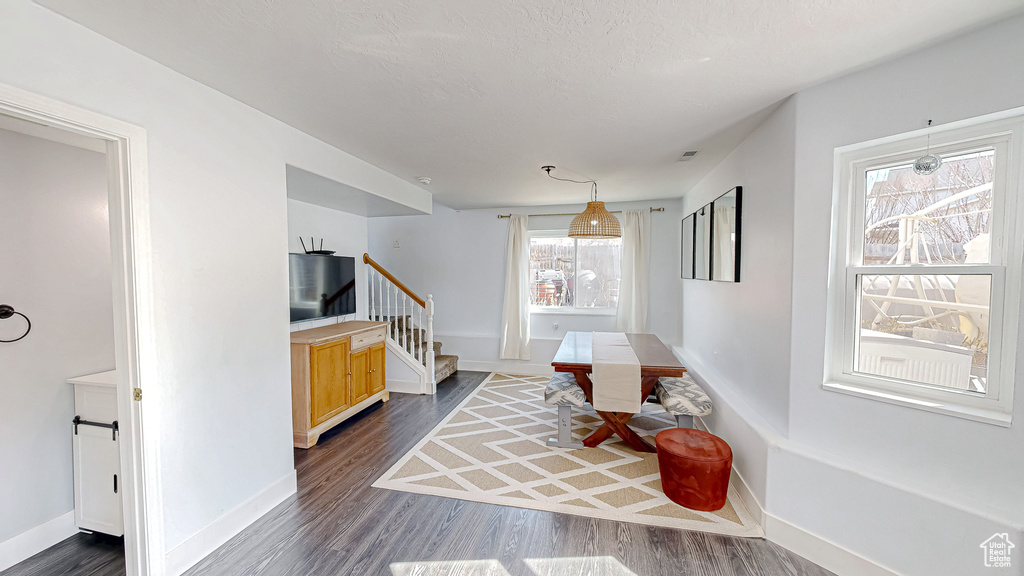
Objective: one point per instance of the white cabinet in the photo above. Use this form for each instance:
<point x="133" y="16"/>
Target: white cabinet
<point x="97" y="454"/>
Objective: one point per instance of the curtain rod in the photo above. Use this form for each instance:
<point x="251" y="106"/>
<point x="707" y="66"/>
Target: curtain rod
<point x="573" y="213"/>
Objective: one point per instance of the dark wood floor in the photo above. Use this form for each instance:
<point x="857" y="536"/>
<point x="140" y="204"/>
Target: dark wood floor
<point x="337" y="524"/>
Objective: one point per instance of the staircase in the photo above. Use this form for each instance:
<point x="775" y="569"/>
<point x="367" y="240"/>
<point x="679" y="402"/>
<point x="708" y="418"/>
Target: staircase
<point x="444" y="365"/>
<point x="410" y="334"/>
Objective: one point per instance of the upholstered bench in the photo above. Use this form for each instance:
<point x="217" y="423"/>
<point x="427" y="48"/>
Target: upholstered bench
<point x="563" y="391"/>
<point x="683" y="398"/>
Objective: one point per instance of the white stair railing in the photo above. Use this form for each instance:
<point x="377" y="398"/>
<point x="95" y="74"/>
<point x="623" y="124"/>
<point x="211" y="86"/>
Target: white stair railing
<point x="410" y="319"/>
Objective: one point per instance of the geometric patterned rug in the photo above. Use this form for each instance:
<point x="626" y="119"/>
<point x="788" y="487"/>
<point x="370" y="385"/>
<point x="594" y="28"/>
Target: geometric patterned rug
<point x="492" y="449"/>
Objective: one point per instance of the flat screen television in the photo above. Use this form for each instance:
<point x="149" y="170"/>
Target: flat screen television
<point x="320" y="286"/>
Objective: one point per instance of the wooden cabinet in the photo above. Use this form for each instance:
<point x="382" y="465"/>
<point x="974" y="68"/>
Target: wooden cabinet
<point x="337" y="371"/>
<point x="367" y="372"/>
<point x="330" y="367"/>
<point x="360" y="375"/>
<point x="377" y="368"/>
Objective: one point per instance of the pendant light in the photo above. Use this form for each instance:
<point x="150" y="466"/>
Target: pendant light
<point x="928" y="163"/>
<point x="596" y="222"/>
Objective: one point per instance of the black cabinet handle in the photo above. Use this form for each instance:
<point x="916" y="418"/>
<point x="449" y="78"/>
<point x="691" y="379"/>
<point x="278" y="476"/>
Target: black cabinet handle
<point x="115" y="483"/>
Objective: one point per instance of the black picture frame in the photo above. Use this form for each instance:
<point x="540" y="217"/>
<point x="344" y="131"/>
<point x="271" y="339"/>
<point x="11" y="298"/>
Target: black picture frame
<point x="687" y="265"/>
<point x="717" y="274"/>
<point x="698" y="241"/>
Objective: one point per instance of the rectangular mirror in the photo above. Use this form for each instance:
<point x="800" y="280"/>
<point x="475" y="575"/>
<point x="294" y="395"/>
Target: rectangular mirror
<point x="725" y="236"/>
<point x="702" y="243"/>
<point x="686" y="263"/>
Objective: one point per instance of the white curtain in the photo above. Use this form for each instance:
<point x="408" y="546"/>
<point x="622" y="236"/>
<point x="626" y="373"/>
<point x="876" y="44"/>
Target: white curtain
<point x="725" y="253"/>
<point x="515" y="314"/>
<point x="631" y="315"/>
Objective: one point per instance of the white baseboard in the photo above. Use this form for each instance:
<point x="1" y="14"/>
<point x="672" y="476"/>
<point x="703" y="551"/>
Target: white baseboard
<point x="748" y="498"/>
<point x="740" y="484"/>
<point x="822" y="552"/>
<point x="813" y="547"/>
<point x="34" y="541"/>
<point x="508" y="367"/>
<point x="405" y="387"/>
<point x="199" y="546"/>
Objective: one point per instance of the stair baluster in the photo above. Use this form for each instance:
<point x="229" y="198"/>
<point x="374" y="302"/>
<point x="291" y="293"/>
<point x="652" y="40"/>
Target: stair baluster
<point x="430" y="342"/>
<point x="410" y="335"/>
<point x="380" y="292"/>
<point x="372" y="307"/>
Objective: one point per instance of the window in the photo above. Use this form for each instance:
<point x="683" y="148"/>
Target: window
<point x="574" y="275"/>
<point x="926" y="271"/>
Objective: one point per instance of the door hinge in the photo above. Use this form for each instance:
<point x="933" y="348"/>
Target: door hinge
<point x="137" y="394"/>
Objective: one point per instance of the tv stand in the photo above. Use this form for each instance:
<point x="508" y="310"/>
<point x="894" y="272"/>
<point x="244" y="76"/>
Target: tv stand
<point x="337" y="371"/>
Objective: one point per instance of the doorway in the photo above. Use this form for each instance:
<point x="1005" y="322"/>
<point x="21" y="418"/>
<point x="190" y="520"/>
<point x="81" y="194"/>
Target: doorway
<point x="123" y="149"/>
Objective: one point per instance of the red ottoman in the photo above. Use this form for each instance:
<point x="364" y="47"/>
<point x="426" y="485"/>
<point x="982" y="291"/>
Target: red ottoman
<point x="695" y="468"/>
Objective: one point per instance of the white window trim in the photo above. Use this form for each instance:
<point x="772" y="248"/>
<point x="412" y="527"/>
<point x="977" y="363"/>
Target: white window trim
<point x="1005" y="132"/>
<point x="561" y="310"/>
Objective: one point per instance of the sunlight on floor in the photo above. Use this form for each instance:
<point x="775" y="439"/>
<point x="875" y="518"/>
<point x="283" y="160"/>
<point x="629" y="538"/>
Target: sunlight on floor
<point x="449" y="568"/>
<point x="577" y="566"/>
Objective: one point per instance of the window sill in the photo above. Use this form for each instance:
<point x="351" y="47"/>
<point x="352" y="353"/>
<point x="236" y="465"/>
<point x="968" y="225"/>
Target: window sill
<point x="985" y="415"/>
<point x="573" y="311"/>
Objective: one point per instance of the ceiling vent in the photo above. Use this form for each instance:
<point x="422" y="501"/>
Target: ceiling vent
<point x="688" y="155"/>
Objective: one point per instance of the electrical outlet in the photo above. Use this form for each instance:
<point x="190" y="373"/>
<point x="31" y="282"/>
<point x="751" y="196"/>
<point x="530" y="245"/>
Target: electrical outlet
<point x="398" y="244"/>
<point x="555" y="326"/>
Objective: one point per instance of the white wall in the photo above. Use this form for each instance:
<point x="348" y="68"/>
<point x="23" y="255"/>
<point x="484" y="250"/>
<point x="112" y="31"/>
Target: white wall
<point x="911" y="491"/>
<point x="56" y="268"/>
<point x="342" y="232"/>
<point x="740" y="331"/>
<point x="218" y="232"/>
<point x="974" y="469"/>
<point x="459" y="257"/>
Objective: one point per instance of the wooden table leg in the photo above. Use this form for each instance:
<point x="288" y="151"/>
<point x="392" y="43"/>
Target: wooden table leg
<point x="605" y="431"/>
<point x="616" y="423"/>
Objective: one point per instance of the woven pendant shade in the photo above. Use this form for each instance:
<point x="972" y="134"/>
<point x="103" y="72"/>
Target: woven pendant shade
<point x="595" y="222"/>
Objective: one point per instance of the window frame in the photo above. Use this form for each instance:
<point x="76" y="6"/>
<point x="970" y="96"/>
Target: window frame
<point x="1003" y="132"/>
<point x="574" y="310"/>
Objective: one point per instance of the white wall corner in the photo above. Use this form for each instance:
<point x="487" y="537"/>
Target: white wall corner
<point x="34" y="541"/>
<point x="741" y="486"/>
<point x="811" y="546"/>
<point x="203" y="543"/>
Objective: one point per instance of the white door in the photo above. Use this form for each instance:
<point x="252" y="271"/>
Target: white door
<point x="98" y="480"/>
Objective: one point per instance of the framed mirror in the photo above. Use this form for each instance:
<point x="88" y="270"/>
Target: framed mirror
<point x="702" y="243"/>
<point x="726" y="216"/>
<point x="686" y="268"/>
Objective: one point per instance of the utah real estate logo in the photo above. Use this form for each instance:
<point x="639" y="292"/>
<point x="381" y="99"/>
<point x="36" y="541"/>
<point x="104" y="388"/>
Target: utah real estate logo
<point x="997" y="550"/>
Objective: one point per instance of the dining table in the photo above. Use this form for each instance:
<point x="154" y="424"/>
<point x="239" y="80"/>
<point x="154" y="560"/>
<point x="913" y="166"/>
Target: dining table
<point x="575" y="355"/>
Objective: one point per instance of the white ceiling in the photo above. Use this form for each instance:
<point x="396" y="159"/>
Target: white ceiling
<point x="479" y="94"/>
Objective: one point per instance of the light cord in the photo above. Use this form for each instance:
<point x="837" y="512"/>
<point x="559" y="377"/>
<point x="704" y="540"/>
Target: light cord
<point x="593" y="183"/>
